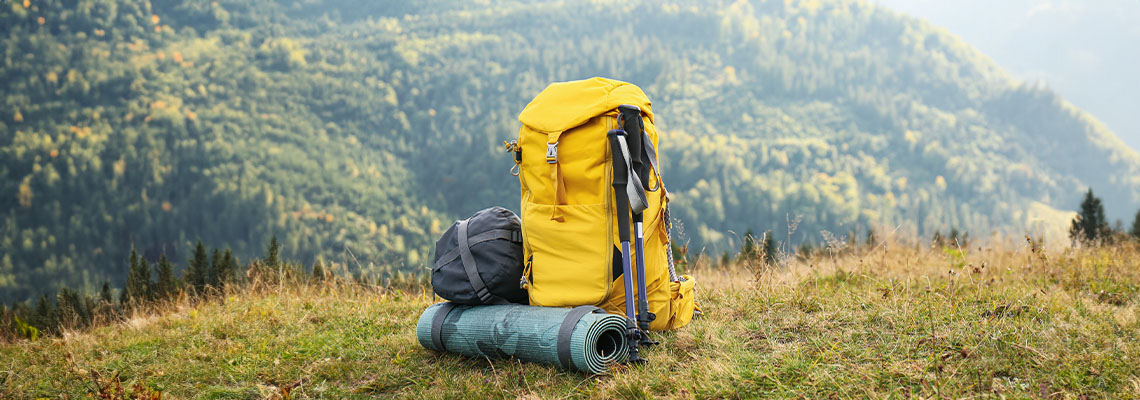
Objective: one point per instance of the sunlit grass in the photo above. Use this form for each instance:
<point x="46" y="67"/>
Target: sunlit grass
<point x="888" y="321"/>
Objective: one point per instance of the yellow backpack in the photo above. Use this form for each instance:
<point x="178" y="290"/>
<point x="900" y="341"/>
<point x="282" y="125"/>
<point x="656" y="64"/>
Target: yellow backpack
<point x="569" y="207"/>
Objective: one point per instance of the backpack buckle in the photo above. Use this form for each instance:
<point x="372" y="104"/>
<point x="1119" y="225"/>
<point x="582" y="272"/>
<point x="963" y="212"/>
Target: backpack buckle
<point x="552" y="153"/>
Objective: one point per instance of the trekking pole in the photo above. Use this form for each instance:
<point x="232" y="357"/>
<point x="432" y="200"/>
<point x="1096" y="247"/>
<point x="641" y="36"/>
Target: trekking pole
<point x="620" y="181"/>
<point x="629" y="120"/>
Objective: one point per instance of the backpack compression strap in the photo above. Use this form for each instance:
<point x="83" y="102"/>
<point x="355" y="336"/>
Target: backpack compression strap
<point x="485" y="296"/>
<point x="567" y="329"/>
<point x="437" y="325"/>
<point x="494" y="234"/>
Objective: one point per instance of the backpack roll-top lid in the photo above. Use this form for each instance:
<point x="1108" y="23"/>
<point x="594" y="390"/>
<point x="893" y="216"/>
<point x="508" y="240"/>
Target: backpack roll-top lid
<point x="565" y="105"/>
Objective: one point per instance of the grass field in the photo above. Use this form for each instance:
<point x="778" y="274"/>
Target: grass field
<point x="887" y="322"/>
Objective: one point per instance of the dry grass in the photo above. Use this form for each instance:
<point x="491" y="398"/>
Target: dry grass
<point x="892" y="321"/>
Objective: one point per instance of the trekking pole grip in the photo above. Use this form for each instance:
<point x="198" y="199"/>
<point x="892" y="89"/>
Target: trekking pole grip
<point x="620" y="180"/>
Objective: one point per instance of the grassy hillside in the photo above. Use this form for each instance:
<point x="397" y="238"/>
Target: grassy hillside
<point x="355" y="131"/>
<point x="887" y="321"/>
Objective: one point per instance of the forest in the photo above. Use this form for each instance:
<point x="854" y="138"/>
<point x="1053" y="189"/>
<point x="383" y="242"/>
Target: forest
<point x="355" y="131"/>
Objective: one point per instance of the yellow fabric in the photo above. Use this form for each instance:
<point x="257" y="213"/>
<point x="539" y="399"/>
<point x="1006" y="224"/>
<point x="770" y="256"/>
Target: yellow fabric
<point x="569" y="220"/>
<point x="683" y="302"/>
<point x="566" y="105"/>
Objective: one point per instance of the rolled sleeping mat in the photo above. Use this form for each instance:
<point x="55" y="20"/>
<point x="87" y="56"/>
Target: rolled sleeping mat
<point x="583" y="338"/>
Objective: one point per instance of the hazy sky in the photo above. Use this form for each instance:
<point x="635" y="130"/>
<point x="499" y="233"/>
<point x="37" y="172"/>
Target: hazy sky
<point x="1087" y="50"/>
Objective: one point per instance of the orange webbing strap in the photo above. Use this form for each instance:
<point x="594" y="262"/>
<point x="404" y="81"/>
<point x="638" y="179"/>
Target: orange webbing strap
<point x="559" y="183"/>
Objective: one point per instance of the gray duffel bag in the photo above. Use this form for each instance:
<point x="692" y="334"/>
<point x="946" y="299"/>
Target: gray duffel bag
<point x="479" y="260"/>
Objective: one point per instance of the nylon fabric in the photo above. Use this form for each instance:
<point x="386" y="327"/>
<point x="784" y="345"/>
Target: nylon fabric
<point x="501" y="234"/>
<point x="565" y="105"/>
<point x="437" y="325"/>
<point x="570" y="229"/>
<point x="484" y="262"/>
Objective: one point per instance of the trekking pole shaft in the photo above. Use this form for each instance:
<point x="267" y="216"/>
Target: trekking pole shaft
<point x="629" y="310"/>
<point x="643" y="318"/>
<point x="620" y="179"/>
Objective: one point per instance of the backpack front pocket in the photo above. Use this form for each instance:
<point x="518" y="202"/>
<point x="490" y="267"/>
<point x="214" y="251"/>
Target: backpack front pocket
<point x="571" y="259"/>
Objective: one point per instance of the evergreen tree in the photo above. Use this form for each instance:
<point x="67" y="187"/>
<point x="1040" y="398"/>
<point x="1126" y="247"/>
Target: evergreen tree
<point x="271" y="259"/>
<point x="68" y="315"/>
<point x="164" y="271"/>
<point x="197" y="270"/>
<point x="748" y="250"/>
<point x="91" y="308"/>
<point x="105" y="294"/>
<point x="1090" y="225"/>
<point x="229" y="268"/>
<point x="125" y="295"/>
<point x="770" y="250"/>
<point x="45" y="317"/>
<point x="212" y="276"/>
<point x="137" y="280"/>
<point x="318" y="271"/>
<point x="148" y="286"/>
<point x="73" y="311"/>
<point x="1136" y="226"/>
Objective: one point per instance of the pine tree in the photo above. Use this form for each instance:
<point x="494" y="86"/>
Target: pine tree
<point x="137" y="281"/>
<point x="748" y="249"/>
<point x="45" y="317"/>
<point x="164" y="270"/>
<point x="229" y="268"/>
<point x="1136" y="226"/>
<point x="68" y="315"/>
<point x="214" y="271"/>
<point x="148" y="286"/>
<point x="73" y="311"/>
<point x="1090" y="225"/>
<point x="318" y="271"/>
<point x="271" y="259"/>
<point x="125" y="295"/>
<point x="198" y="268"/>
<point x="92" y="308"/>
<point x="105" y="294"/>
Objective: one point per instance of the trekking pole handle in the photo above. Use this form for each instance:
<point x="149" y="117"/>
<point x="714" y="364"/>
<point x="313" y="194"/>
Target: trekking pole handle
<point x="620" y="179"/>
<point x="629" y="120"/>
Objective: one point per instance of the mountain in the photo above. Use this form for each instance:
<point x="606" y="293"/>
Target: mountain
<point x="1084" y="49"/>
<point x="355" y="131"/>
